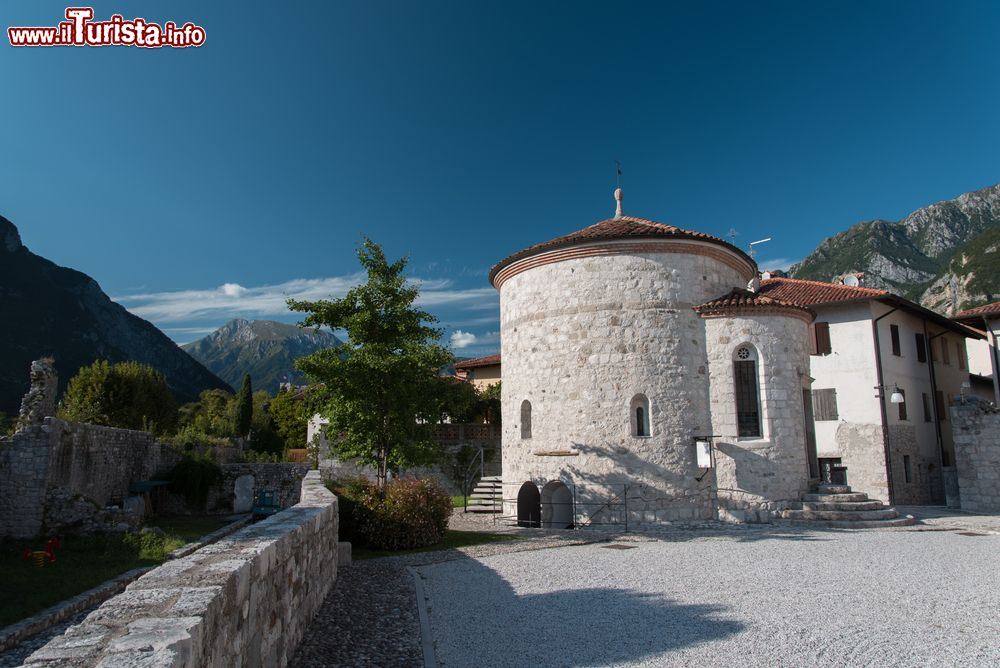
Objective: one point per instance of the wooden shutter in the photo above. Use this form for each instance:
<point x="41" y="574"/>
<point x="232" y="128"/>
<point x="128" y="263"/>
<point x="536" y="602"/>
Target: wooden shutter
<point x="921" y="348"/>
<point x="902" y="406"/>
<point x="939" y="400"/>
<point x="825" y="404"/>
<point x="821" y="339"/>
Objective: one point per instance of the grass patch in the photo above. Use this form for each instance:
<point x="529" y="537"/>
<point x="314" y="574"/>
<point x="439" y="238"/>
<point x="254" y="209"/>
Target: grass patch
<point x="188" y="528"/>
<point x="458" y="501"/>
<point x="83" y="562"/>
<point x="452" y="540"/>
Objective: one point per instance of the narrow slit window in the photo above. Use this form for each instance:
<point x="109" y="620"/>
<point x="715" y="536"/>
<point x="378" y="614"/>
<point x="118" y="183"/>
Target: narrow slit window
<point x="748" y="424"/>
<point x="525" y="419"/>
<point x="894" y="335"/>
<point x="921" y="348"/>
<point x="639" y="417"/>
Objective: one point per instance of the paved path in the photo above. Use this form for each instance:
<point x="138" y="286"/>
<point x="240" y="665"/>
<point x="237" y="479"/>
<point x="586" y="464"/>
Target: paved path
<point x="730" y="598"/>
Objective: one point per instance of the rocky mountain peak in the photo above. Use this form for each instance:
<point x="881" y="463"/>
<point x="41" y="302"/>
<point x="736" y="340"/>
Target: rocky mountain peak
<point x="10" y="238"/>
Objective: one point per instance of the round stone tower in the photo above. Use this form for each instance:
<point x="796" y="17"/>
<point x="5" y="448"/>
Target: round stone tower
<point x="606" y="372"/>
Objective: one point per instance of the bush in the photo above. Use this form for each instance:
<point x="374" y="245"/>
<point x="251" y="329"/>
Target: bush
<point x="190" y="436"/>
<point x="193" y="476"/>
<point x="414" y="513"/>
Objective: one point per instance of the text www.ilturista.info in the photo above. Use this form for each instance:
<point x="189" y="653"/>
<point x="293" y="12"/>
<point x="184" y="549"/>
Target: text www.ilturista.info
<point x="81" y="30"/>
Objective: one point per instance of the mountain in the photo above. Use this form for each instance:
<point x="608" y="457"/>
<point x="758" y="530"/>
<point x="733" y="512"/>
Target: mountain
<point x="263" y="348"/>
<point x="944" y="255"/>
<point x="46" y="309"/>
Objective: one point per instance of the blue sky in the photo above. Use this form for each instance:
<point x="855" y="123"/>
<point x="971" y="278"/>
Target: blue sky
<point x="202" y="184"/>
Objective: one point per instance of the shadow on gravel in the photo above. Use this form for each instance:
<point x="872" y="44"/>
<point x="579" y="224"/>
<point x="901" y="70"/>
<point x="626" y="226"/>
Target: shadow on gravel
<point x="477" y="618"/>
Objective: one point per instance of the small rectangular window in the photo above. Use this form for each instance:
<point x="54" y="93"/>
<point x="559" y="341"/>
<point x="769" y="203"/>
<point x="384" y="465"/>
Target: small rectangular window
<point x="927" y="407"/>
<point x="960" y="348"/>
<point x="821" y="339"/>
<point x="902" y="405"/>
<point x="939" y="400"/>
<point x="825" y="404"/>
<point x="921" y="348"/>
<point x="894" y="334"/>
<point x="945" y="356"/>
<point x="907" y="470"/>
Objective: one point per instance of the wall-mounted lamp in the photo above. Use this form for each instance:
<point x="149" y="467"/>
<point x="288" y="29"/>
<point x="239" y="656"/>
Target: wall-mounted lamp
<point x="896" y="397"/>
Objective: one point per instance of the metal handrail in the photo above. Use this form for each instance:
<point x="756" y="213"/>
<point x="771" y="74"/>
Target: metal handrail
<point x="469" y="473"/>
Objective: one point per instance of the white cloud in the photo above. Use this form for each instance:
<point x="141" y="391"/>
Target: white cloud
<point x="231" y="300"/>
<point x="460" y="339"/>
<point x="232" y="289"/>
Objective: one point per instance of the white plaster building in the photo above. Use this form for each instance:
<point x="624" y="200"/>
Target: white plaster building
<point x="864" y="339"/>
<point x="628" y="345"/>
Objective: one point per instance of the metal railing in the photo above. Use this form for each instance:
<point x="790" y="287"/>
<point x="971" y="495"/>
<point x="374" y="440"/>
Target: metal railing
<point x="471" y="478"/>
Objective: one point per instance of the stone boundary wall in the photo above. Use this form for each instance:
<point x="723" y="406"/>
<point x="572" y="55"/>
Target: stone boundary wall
<point x="245" y="600"/>
<point x="976" y="428"/>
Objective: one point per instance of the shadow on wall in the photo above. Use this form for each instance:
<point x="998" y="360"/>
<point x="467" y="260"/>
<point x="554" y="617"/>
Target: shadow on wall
<point x="597" y="626"/>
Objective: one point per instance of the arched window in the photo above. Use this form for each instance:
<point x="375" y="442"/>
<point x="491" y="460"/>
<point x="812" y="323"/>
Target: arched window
<point x="639" y="415"/>
<point x="745" y="374"/>
<point x="525" y="419"/>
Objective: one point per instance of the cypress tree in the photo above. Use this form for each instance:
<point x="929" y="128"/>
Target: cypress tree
<point x="244" y="408"/>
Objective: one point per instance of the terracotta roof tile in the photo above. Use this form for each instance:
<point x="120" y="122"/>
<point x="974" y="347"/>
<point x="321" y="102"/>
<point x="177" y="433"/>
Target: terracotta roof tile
<point x="978" y="312"/>
<point x="743" y="299"/>
<point x="812" y="293"/>
<point x="626" y="227"/>
<point x="489" y="360"/>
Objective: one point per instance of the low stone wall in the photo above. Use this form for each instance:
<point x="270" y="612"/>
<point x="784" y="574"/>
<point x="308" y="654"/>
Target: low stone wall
<point x="976" y="428"/>
<point x="245" y="600"/>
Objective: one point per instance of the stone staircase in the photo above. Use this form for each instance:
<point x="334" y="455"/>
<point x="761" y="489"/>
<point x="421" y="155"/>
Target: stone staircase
<point x="487" y="496"/>
<point x="837" y="507"/>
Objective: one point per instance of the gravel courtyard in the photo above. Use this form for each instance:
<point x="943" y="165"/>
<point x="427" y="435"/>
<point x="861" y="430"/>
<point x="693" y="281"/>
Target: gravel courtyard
<point x="879" y="598"/>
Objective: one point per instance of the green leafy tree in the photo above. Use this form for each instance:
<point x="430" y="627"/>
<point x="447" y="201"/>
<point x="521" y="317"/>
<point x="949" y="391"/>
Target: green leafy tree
<point x="128" y="395"/>
<point x="383" y="384"/>
<point x="211" y="415"/>
<point x="290" y="414"/>
<point x="263" y="434"/>
<point x="489" y="402"/>
<point x="243" y="417"/>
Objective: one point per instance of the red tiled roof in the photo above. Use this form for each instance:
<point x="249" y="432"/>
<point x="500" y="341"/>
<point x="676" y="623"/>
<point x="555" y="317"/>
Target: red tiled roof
<point x="811" y="293"/>
<point x="626" y="227"/>
<point x="978" y="312"/>
<point x="489" y="360"/>
<point x="743" y="299"/>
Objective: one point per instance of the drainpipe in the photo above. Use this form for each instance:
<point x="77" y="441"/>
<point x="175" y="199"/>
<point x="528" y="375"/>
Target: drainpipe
<point x="992" y="338"/>
<point x="881" y="404"/>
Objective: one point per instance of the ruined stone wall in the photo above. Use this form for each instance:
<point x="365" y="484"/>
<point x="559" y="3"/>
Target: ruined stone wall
<point x="581" y="338"/>
<point x="757" y="476"/>
<point x="245" y="600"/>
<point x="60" y="476"/>
<point x="976" y="428"/>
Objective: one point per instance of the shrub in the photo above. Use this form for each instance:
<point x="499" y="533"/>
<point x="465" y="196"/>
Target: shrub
<point x="256" y="457"/>
<point x="193" y="476"/>
<point x="127" y="395"/>
<point x="414" y="513"/>
<point x="190" y="436"/>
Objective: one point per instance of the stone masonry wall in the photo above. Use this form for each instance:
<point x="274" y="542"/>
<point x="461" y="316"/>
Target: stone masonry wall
<point x="59" y="476"/>
<point x="581" y="338"/>
<point x="976" y="427"/>
<point x="755" y="477"/>
<point x="245" y="600"/>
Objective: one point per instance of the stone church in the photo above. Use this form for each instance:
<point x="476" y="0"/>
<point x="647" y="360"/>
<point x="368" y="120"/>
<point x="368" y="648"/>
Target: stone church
<point x="647" y="381"/>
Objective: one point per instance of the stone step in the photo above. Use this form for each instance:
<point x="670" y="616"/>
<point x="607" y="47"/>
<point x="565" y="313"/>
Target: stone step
<point x="905" y="521"/>
<point x="484" y="509"/>
<point x="836" y="498"/>
<point x="833" y="489"/>
<point x="854" y="506"/>
<point x="492" y="478"/>
<point x="839" y="515"/>
<point x="484" y="495"/>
